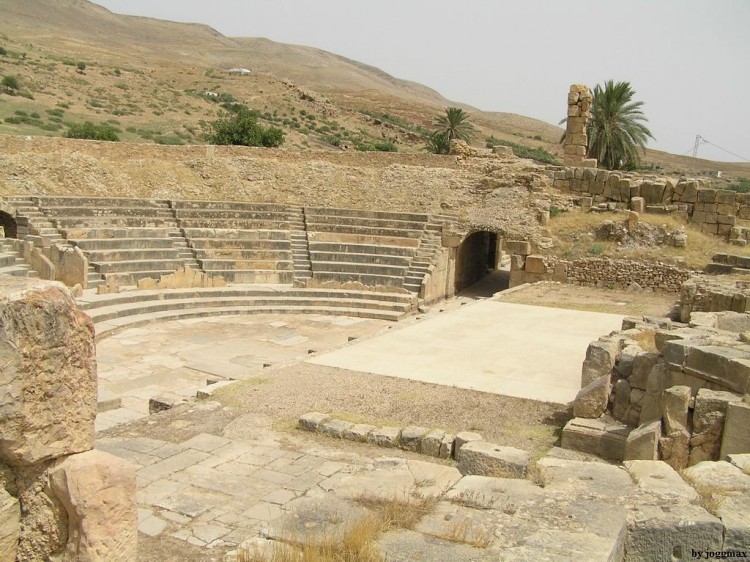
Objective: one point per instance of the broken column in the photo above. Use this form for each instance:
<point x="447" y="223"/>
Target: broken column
<point x="576" y="141"/>
<point x="73" y="503"/>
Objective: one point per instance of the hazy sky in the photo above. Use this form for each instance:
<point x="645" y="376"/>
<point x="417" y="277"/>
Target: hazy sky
<point x="688" y="60"/>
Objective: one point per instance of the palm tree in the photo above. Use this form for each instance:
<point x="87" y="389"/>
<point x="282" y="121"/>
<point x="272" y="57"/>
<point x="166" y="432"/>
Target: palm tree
<point x="437" y="142"/>
<point x="616" y="130"/>
<point x="455" y="124"/>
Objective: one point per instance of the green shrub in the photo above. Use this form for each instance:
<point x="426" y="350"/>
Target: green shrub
<point x="742" y="186"/>
<point x="90" y="131"/>
<point x="55" y="112"/>
<point x="596" y="250"/>
<point x="381" y="146"/>
<point x="555" y="211"/>
<point x="10" y="84"/>
<point x="241" y="127"/>
<point x="3" y="51"/>
<point x="117" y="72"/>
<point x="81" y="66"/>
<point x="168" y="139"/>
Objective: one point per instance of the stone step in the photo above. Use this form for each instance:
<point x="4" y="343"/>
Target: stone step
<point x="107" y="212"/>
<point x="317" y="211"/>
<point x="260" y="276"/>
<point x="360" y="221"/>
<point x="235" y="234"/>
<point x="344" y="248"/>
<point x="68" y="223"/>
<point x="243" y="254"/>
<point x="111" y="327"/>
<point x="244" y="214"/>
<point x="18" y="271"/>
<point x="362" y="237"/>
<point x="238" y="223"/>
<point x="7" y="260"/>
<point x="47" y="202"/>
<point x="137" y="265"/>
<point x="131" y="278"/>
<point x="104" y="314"/>
<point x="91" y="301"/>
<point x="361" y="268"/>
<point x="239" y="244"/>
<point x="367" y="279"/>
<point x="116" y="233"/>
<point x="317" y="256"/>
<point x="132" y="254"/>
<point x="233" y="205"/>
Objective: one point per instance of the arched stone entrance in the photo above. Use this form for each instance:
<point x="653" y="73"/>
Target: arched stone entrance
<point x="476" y="256"/>
<point x="8" y="222"/>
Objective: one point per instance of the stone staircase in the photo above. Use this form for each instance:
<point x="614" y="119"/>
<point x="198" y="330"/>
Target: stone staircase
<point x="11" y="262"/>
<point x="300" y="250"/>
<point x="114" y="312"/>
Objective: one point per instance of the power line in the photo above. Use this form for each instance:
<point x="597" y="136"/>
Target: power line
<point x="702" y="140"/>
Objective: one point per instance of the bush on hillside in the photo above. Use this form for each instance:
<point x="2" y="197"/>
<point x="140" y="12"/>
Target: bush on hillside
<point x="90" y="131"/>
<point x="10" y="84"/>
<point x="241" y="127"/>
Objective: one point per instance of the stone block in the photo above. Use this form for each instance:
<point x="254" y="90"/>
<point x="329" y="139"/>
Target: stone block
<point x="446" y="447"/>
<point x="312" y="421"/>
<point x="519" y="247"/>
<point x="462" y="439"/>
<point x="622" y="399"/>
<point x="591" y="401"/>
<point x="98" y="492"/>
<point x="411" y="437"/>
<point x="736" y="435"/>
<point x="654" y="533"/>
<point x="385" y="437"/>
<point x="487" y="459"/>
<point x="535" y="264"/>
<point x="600" y="358"/>
<point x="335" y="428"/>
<point x="734" y="513"/>
<point x="708" y="424"/>
<point x="643" y="442"/>
<point x="595" y="437"/>
<point x="643" y="363"/>
<point x="358" y="432"/>
<point x="659" y="479"/>
<point x="706" y="196"/>
<point x="48" y="378"/>
<point x="674" y="449"/>
<point x="586" y="202"/>
<point x="164" y="401"/>
<point x="651" y="403"/>
<point x="638" y="204"/>
<point x="674" y="408"/>
<point x="10" y="525"/>
<point x="718" y="479"/>
<point x="431" y="443"/>
<point x="517" y="262"/>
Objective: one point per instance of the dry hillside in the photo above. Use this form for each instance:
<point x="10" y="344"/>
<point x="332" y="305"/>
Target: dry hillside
<point x="148" y="78"/>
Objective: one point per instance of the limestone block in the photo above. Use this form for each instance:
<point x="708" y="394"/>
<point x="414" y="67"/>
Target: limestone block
<point x="658" y="478"/>
<point x="643" y="442"/>
<point x="592" y="400"/>
<point x="622" y="399"/>
<point x="736" y="435"/>
<point x="430" y="444"/>
<point x="519" y="247"/>
<point x="335" y="428"/>
<point x="674" y="408"/>
<point x="358" y="432"/>
<point x="589" y="163"/>
<point x="708" y="423"/>
<point x="586" y="202"/>
<point x="48" y="379"/>
<point x="517" y="262"/>
<point x="643" y="363"/>
<point x="584" y="435"/>
<point x="312" y="421"/>
<point x="638" y="204"/>
<point x="651" y="403"/>
<point x="535" y="264"/>
<point x="719" y="479"/>
<point x="741" y="461"/>
<point x="411" y="437"/>
<point x="385" y="437"/>
<point x="600" y="358"/>
<point x="164" y="401"/>
<point x="462" y="439"/>
<point x="98" y="492"/>
<point x="674" y="449"/>
<point x="487" y="459"/>
<point x="735" y="515"/>
<point x="706" y="196"/>
<point x="690" y="194"/>
<point x="654" y="533"/>
<point x="10" y="525"/>
<point x="446" y="447"/>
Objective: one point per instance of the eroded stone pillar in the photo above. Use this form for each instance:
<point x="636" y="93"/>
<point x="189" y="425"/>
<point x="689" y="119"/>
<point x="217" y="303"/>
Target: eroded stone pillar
<point x="576" y="138"/>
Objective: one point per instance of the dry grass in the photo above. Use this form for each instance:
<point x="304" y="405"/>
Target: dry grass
<point x="464" y="532"/>
<point x="397" y="513"/>
<point x="537" y="475"/>
<point x="573" y="235"/>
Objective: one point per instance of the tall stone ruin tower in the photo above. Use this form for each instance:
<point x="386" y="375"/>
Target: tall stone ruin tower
<point x="576" y="139"/>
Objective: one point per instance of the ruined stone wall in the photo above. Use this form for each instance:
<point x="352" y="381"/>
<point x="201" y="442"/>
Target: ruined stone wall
<point x="594" y="272"/>
<point x="576" y="136"/>
<point x="59" y="499"/>
<point x="711" y="294"/>
<point x="714" y="211"/>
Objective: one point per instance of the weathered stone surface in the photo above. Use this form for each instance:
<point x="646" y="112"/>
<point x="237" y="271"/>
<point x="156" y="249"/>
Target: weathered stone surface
<point x="651" y="402"/>
<point x="674" y="407"/>
<point x="741" y="461"/>
<point x="335" y="428"/>
<point x="312" y="421"/>
<point x="600" y="358"/>
<point x="575" y="478"/>
<point x="10" y="525"/>
<point x="708" y="423"/>
<point x="592" y="400"/>
<point x="48" y="380"/>
<point x="736" y="435"/>
<point x="411" y="436"/>
<point x="659" y="479"/>
<point x="407" y="546"/>
<point x="520" y="247"/>
<point x="535" y="264"/>
<point x="358" y="432"/>
<point x="487" y="459"/>
<point x="446" y="446"/>
<point x="98" y="492"/>
<point x="431" y="442"/>
<point x="643" y="363"/>
<point x="642" y="443"/>
<point x="734" y="513"/>
<point x="657" y="534"/>
<point x="164" y="401"/>
<point x="385" y="436"/>
<point x="462" y="438"/>
<point x="718" y="478"/>
<point x="674" y="449"/>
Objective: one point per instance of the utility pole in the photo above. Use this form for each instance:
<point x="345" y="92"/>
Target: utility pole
<point x="698" y="140"/>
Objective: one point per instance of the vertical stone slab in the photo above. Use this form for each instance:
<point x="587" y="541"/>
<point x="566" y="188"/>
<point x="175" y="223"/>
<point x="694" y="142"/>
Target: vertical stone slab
<point x="10" y="525"/>
<point x="736" y="437"/>
<point x="98" y="492"/>
<point x="48" y="374"/>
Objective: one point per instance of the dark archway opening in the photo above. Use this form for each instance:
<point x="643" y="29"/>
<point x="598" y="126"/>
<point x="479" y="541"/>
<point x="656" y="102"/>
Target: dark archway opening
<point x="9" y="225"/>
<point x="476" y="257"/>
